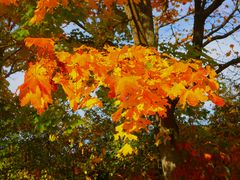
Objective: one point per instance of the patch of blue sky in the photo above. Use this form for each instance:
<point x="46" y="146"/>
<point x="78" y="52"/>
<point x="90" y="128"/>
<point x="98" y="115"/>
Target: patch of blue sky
<point x="15" y="80"/>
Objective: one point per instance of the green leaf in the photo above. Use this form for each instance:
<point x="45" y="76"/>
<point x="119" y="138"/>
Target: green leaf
<point x="20" y="34"/>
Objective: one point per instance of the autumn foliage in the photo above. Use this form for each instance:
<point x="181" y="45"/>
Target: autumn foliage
<point x="102" y="109"/>
<point x="139" y="79"/>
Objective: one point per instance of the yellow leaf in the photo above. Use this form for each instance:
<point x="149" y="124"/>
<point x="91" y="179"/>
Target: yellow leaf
<point x="192" y="99"/>
<point x="140" y="107"/>
<point x="125" y="150"/>
<point x="211" y="72"/>
<point x="80" y="144"/>
<point x="93" y="102"/>
<point x="63" y="56"/>
<point x="52" y="137"/>
<point x="73" y="74"/>
<point x="200" y="95"/>
<point x="118" y="102"/>
<point x="121" y="134"/>
<point x="126" y="84"/>
<point x="176" y="90"/>
<point x="131" y="136"/>
<point x="119" y="128"/>
<point x="180" y="67"/>
<point x="166" y="72"/>
<point x="117" y="71"/>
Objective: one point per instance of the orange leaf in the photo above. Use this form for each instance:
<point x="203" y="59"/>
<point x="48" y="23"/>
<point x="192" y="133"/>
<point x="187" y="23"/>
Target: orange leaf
<point x="207" y="156"/>
<point x="126" y="86"/>
<point x="176" y="90"/>
<point x="45" y="46"/>
<point x="200" y="95"/>
<point x="192" y="99"/>
<point x="117" y="115"/>
<point x="213" y="84"/>
<point x="37" y="86"/>
<point x="217" y="100"/>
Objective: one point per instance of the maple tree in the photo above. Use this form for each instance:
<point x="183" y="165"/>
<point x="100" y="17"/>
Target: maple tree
<point x="142" y="81"/>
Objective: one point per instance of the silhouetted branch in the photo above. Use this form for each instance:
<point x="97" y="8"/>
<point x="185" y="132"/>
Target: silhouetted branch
<point x="223" y="24"/>
<point x="221" y="36"/>
<point x="212" y="7"/>
<point x="221" y="67"/>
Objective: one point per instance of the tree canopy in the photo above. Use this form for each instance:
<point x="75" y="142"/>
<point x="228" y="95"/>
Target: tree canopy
<point x="116" y="70"/>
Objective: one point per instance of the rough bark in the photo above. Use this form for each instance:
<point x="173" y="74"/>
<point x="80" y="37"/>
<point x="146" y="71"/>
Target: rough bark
<point x="169" y="154"/>
<point x="198" y="30"/>
<point x="141" y="23"/>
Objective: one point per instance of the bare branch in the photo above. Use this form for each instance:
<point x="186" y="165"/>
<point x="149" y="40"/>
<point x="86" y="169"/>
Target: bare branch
<point x="13" y="64"/>
<point x="174" y="35"/>
<point x="11" y="70"/>
<point x="212" y="7"/>
<point x="204" y="3"/>
<point x="221" y="67"/>
<point x="221" y="36"/>
<point x="176" y="20"/>
<point x="80" y="25"/>
<point x="223" y="24"/>
<point x="13" y="53"/>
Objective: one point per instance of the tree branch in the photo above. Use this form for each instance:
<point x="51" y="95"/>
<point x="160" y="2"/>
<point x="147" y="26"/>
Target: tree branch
<point x="221" y="67"/>
<point x="80" y="25"/>
<point x="137" y="21"/>
<point x="223" y="24"/>
<point x="13" y="64"/>
<point x="204" y="3"/>
<point x="212" y="7"/>
<point x="11" y="70"/>
<point x="176" y="20"/>
<point x="221" y="36"/>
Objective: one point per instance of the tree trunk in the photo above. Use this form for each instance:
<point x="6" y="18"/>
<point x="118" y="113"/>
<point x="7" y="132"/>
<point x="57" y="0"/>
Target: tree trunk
<point x="141" y="23"/>
<point x="198" y="30"/>
<point x="169" y="155"/>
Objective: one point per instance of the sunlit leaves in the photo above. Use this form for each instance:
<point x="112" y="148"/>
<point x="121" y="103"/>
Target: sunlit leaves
<point x="126" y="86"/>
<point x="42" y="7"/>
<point x="217" y="100"/>
<point x="121" y="134"/>
<point x="140" y="79"/>
<point x="45" y="46"/>
<point x="125" y="150"/>
<point x="38" y="85"/>
<point x="93" y="102"/>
